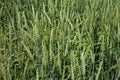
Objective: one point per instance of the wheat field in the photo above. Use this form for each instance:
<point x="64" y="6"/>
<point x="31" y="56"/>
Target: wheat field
<point x="59" y="39"/>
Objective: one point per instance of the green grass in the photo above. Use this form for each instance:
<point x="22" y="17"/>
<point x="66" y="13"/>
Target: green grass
<point x="60" y="40"/>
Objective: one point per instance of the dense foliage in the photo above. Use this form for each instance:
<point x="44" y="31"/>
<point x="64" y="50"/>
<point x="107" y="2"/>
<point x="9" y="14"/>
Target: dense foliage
<point x="59" y="39"/>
